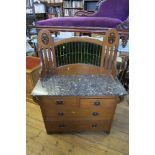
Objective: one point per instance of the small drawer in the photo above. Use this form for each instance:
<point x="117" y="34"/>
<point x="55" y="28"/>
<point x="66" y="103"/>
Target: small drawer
<point x="97" y="103"/>
<point x="96" y="114"/>
<point x="58" y="102"/>
<point x="61" y="114"/>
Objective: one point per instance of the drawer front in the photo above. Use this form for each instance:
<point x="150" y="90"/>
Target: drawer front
<point x="78" y="113"/>
<point x="58" y="102"/>
<point x="97" y="103"/>
<point x="66" y="126"/>
<point x="60" y="114"/>
<point x="96" y="114"/>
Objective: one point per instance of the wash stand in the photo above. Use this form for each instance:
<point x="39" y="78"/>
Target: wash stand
<point x="78" y="89"/>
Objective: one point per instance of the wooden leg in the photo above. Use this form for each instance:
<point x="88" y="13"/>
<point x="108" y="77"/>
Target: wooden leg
<point x="107" y="132"/>
<point x="49" y="133"/>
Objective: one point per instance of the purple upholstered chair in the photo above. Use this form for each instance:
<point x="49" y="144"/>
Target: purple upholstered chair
<point x="110" y="14"/>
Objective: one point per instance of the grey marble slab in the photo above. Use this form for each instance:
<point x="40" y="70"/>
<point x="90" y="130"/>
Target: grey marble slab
<point x="79" y="85"/>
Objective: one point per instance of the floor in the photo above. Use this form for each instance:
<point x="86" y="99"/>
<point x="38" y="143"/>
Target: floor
<point x="39" y="143"/>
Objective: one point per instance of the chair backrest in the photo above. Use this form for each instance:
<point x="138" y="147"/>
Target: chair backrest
<point x="78" y="55"/>
<point x="113" y="8"/>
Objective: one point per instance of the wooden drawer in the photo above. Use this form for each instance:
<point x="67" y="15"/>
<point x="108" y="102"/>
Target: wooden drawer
<point x="97" y="103"/>
<point x="82" y="125"/>
<point x="58" y="102"/>
<point x="96" y="113"/>
<point x="76" y="114"/>
<point x="60" y="114"/>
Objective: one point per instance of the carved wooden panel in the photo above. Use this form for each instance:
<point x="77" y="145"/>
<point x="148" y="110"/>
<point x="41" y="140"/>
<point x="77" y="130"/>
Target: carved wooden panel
<point x="109" y="50"/>
<point x="78" y="50"/>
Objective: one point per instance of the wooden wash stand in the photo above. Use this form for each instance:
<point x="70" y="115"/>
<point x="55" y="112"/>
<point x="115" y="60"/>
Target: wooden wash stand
<point x="78" y="88"/>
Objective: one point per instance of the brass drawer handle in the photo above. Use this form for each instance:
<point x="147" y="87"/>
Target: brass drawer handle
<point x="97" y="103"/>
<point x="59" y="102"/>
<point x="60" y="113"/>
<point x="94" y="125"/>
<point x="61" y="126"/>
<point x="95" y="113"/>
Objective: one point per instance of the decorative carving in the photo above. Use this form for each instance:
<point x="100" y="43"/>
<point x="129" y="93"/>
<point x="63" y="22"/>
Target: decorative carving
<point x="56" y="57"/>
<point x="44" y="38"/>
<point x="111" y="38"/>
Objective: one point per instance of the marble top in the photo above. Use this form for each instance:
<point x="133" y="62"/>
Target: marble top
<point x="79" y="85"/>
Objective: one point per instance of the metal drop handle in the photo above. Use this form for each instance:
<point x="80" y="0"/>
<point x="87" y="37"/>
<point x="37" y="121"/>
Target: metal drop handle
<point x="97" y="103"/>
<point x="95" y="113"/>
<point x="59" y="102"/>
<point x="94" y="125"/>
<point x="60" y="113"/>
<point x="61" y="126"/>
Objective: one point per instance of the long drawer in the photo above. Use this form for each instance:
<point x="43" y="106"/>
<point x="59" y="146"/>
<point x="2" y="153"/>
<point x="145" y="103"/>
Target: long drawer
<point x="58" y="102"/>
<point x="66" y="126"/>
<point x="78" y="113"/>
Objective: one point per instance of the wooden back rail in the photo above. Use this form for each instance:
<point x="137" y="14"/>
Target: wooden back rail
<point x="91" y="30"/>
<point x="78" y="55"/>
